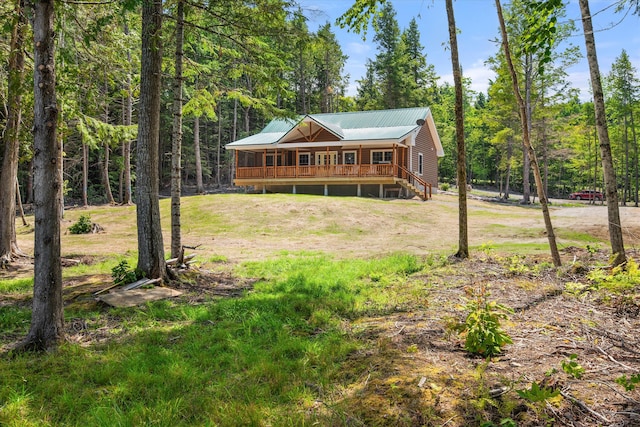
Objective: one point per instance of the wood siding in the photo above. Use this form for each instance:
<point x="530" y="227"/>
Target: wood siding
<point x="426" y="146"/>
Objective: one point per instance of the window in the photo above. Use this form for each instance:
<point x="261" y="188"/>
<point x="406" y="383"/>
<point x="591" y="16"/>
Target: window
<point x="378" y="157"/>
<point x="420" y="163"/>
<point x="270" y="160"/>
<point x="304" y="159"/>
<point x="349" y="158"/>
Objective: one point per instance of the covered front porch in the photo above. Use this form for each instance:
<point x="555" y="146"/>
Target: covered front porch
<point x="384" y="167"/>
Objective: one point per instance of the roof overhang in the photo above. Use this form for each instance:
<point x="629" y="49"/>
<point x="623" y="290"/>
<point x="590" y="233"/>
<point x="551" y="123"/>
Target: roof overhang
<point x="434" y="135"/>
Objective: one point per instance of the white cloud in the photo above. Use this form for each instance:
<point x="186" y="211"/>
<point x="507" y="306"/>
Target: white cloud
<point x="356" y="49"/>
<point x="581" y="80"/>
<point x="480" y="75"/>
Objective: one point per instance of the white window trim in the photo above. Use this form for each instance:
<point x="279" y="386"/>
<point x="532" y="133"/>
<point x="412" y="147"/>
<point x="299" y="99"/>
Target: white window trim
<point x="381" y="151"/>
<point x="307" y="153"/>
<point x="273" y="160"/>
<point x="420" y="164"/>
<point x="355" y="156"/>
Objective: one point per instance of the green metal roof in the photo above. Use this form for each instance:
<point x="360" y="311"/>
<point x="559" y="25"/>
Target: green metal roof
<point x="349" y="126"/>
<point x="375" y="118"/>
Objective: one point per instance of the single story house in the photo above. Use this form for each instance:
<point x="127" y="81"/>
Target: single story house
<point x="384" y="153"/>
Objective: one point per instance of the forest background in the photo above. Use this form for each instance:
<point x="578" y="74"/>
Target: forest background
<point x="242" y="69"/>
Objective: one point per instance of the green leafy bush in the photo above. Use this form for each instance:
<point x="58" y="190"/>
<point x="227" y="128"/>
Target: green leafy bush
<point x="123" y="274"/>
<point x="481" y="328"/>
<point x="82" y="226"/>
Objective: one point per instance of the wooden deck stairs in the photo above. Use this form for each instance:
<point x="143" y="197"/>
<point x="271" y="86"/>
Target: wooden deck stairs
<point x="414" y="183"/>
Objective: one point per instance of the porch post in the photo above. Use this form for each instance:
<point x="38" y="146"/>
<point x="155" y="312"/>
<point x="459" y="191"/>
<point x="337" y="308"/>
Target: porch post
<point x="360" y="160"/>
<point x="410" y="165"/>
<point x="235" y="158"/>
<point x="381" y="193"/>
<point x="327" y="161"/>
<point x="275" y="164"/>
<point x="294" y="189"/>
<point x="296" y="160"/>
<point x="264" y="163"/>
<point x="359" y="191"/>
<point x="326" y="190"/>
<point x="394" y="160"/>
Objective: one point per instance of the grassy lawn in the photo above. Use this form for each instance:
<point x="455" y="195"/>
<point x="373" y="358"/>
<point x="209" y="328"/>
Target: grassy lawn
<point x="255" y="360"/>
<point x="344" y="320"/>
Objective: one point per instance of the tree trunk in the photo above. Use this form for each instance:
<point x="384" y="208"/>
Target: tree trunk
<point x="9" y="173"/>
<point x="126" y="145"/>
<point x="196" y="150"/>
<point x="611" y="192"/>
<point x="627" y="182"/>
<point x="28" y="192"/>
<point x="507" y="189"/>
<point x="105" y="175"/>
<point x="20" y="208"/>
<point x="47" y="318"/>
<point x="85" y="174"/>
<point x="635" y="155"/>
<point x="555" y="255"/>
<point x="176" y="150"/>
<point x="463" y="240"/>
<point x="219" y="147"/>
<point x="150" y="246"/>
<point x="526" y="158"/>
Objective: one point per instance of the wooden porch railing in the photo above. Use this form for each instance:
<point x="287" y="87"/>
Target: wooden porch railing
<point x="418" y="183"/>
<point x="323" y="171"/>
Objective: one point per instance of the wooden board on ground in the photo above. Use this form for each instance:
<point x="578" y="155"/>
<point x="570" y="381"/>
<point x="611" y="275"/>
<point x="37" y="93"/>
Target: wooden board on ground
<point x="137" y="296"/>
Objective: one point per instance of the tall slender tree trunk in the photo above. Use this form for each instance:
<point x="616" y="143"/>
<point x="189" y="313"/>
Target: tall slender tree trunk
<point x="635" y="155"/>
<point x="19" y="201"/>
<point x="627" y="181"/>
<point x="105" y="175"/>
<point x="105" y="166"/>
<point x="524" y="118"/>
<point x="85" y="174"/>
<point x="47" y="319"/>
<point x="126" y="145"/>
<point x="150" y="245"/>
<point x="219" y="148"/>
<point x="507" y="189"/>
<point x="176" y="151"/>
<point x="198" y="156"/>
<point x="463" y="239"/>
<point x="611" y="191"/>
<point x="526" y="158"/>
<point x="595" y="163"/>
<point x="9" y="173"/>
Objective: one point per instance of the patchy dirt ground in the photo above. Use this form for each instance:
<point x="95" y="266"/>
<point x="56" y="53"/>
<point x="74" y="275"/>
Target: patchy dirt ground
<point x="418" y="373"/>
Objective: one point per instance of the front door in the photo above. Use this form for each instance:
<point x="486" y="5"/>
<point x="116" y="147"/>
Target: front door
<point x="325" y="159"/>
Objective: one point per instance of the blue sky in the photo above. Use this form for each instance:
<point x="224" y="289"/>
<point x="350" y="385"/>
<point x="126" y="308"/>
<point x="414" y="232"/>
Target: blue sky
<point x="477" y="22"/>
